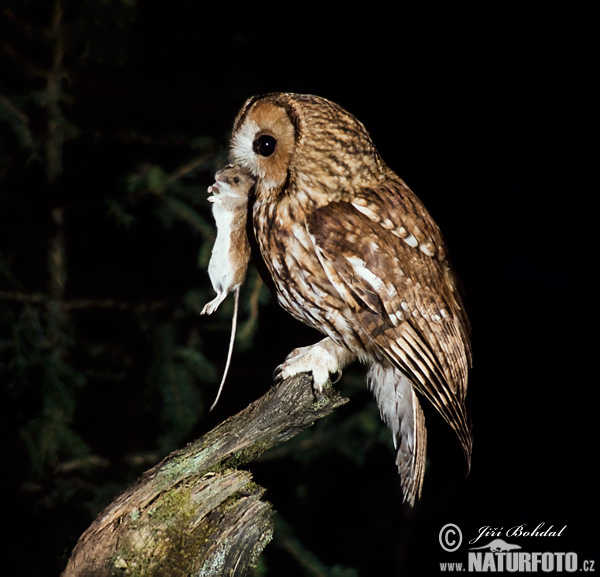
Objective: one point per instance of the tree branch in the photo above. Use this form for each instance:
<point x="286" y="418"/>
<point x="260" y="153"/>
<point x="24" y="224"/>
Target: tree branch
<point x="195" y="513"/>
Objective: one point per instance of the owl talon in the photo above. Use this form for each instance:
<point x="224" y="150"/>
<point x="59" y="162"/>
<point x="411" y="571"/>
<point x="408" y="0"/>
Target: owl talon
<point x="277" y="378"/>
<point x="333" y="378"/>
<point x="322" y="361"/>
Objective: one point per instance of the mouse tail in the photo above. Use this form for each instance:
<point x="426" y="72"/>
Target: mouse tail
<point x="236" y="302"/>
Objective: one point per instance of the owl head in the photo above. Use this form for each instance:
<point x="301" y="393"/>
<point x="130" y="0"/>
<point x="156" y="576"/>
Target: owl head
<point x="297" y="141"/>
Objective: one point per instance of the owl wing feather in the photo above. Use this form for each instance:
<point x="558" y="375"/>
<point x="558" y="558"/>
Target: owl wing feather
<point x="386" y="258"/>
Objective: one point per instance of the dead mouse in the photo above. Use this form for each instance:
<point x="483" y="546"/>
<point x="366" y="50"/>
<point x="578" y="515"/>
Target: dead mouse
<point x="231" y="251"/>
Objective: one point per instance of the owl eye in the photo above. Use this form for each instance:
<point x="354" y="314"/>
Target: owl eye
<point x="265" y="145"/>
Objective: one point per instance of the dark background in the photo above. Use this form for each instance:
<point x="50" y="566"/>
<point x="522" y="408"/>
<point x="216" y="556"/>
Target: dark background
<point x="489" y="113"/>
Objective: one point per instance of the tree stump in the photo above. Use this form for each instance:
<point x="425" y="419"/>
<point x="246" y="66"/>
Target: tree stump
<point x="196" y="513"/>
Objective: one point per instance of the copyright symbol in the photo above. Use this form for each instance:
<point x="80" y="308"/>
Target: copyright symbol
<point x="450" y="537"/>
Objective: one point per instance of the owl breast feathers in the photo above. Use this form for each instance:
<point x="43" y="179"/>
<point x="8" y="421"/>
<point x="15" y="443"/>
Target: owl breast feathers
<point x="354" y="253"/>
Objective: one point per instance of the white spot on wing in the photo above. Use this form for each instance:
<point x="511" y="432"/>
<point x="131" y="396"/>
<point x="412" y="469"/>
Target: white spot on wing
<point x="367" y="212"/>
<point x="427" y="248"/>
<point x="410" y="240"/>
<point x="363" y="272"/>
<point x="391" y="291"/>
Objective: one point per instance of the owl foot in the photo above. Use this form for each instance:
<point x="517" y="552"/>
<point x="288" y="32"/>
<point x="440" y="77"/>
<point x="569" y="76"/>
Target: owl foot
<point x="323" y="360"/>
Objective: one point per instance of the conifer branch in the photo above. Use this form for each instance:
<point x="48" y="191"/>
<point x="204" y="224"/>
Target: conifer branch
<point x="188" y="167"/>
<point x="26" y="66"/>
<point x="55" y="137"/>
<point x="38" y="298"/>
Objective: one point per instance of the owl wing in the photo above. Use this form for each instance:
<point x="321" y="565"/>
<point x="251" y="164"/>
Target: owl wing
<point x="386" y="258"/>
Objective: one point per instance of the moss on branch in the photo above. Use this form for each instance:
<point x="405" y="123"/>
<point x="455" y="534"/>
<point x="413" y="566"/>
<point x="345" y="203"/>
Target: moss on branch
<point x="196" y="512"/>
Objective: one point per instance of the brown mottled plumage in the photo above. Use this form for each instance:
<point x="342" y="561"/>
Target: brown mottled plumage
<point x="355" y="254"/>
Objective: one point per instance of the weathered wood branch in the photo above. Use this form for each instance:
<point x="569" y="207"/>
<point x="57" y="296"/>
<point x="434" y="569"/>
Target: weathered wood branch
<point x="196" y="513"/>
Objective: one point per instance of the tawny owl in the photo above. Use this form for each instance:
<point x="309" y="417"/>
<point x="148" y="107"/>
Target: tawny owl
<point x="354" y="253"/>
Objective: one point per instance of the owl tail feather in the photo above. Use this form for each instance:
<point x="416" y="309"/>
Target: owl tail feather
<point x="400" y="410"/>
